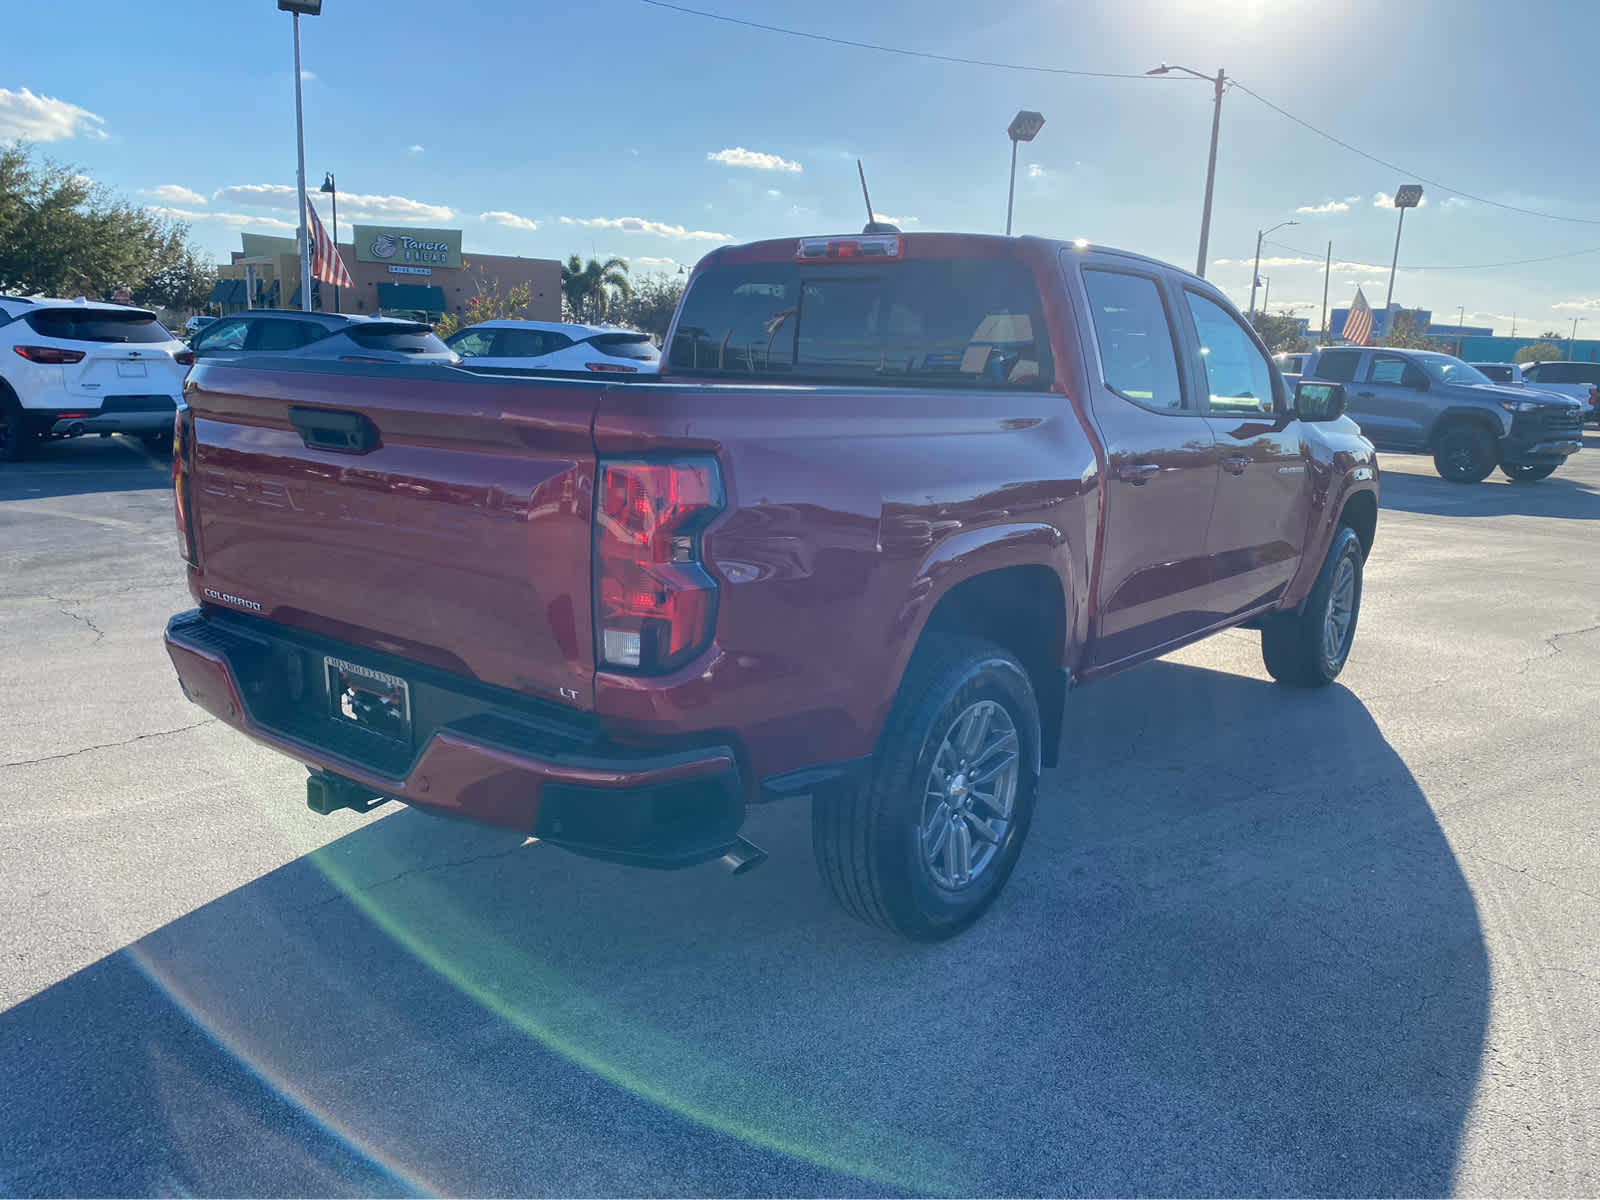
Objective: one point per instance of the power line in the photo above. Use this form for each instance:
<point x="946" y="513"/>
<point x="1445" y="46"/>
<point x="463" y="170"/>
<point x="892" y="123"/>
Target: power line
<point x="1232" y="82"/>
<point x="882" y="49"/>
<point x="1337" y="141"/>
<point x="1517" y="262"/>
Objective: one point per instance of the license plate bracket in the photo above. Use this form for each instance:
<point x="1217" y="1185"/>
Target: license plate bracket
<point x="131" y="370"/>
<point x="374" y="701"/>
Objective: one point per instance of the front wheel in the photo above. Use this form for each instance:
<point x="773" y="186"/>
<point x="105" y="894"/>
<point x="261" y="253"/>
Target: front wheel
<point x="1464" y="454"/>
<point x="1309" y="648"/>
<point x="13" y="430"/>
<point x="1529" y="473"/>
<point x="926" y="844"/>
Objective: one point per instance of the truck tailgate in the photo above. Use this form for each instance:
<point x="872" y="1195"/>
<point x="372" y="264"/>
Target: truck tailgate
<point x="452" y="527"/>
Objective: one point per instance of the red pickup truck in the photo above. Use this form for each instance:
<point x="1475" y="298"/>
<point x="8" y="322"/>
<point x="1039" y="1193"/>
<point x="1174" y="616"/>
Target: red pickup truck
<point x="891" y="497"/>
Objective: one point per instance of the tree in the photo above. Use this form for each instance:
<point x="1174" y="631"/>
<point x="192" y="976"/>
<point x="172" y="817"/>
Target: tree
<point x="1280" y="331"/>
<point x="650" y="306"/>
<point x="1406" y="333"/>
<point x="62" y="234"/>
<point x="589" y="291"/>
<point x="489" y="304"/>
<point x="1541" y="351"/>
<point x="1553" y="335"/>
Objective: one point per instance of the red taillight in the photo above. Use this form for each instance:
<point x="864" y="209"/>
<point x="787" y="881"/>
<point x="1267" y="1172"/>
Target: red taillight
<point x="182" y="423"/>
<point x="616" y="368"/>
<point x="1594" y="396"/>
<point x="49" y="355"/>
<point x="655" y="603"/>
<point x="184" y="358"/>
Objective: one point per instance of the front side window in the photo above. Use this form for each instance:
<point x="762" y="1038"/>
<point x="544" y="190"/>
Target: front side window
<point x="1135" y="338"/>
<point x="471" y="343"/>
<point x="223" y="335"/>
<point x="1238" y="376"/>
<point x="959" y="322"/>
<point x="1496" y="372"/>
<point x="1386" y="368"/>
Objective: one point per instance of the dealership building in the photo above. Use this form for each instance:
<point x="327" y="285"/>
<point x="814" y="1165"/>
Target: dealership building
<point x="398" y="271"/>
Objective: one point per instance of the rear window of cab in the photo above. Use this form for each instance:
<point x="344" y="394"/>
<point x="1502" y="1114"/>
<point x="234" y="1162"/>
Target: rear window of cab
<point x="958" y="322"/>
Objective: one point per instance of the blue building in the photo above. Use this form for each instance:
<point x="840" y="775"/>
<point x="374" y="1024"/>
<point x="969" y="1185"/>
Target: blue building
<point x="1381" y="318"/>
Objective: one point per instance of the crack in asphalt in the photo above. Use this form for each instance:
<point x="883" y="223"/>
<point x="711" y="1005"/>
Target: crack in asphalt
<point x="1554" y="644"/>
<point x="28" y="762"/>
<point x="98" y="632"/>
<point x="1527" y="874"/>
<point x="419" y="869"/>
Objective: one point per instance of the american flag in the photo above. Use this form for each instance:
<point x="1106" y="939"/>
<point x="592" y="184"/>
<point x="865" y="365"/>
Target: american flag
<point x="1358" y="325"/>
<point x="326" y="265"/>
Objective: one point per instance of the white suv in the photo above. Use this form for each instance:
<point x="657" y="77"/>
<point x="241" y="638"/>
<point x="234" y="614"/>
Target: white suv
<point x="69" y="367"/>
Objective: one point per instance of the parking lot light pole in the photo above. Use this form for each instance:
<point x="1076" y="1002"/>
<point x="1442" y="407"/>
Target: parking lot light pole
<point x="1409" y="196"/>
<point x="1255" y="272"/>
<point x="1219" y="81"/>
<point x="1024" y="127"/>
<point x="310" y="8"/>
<point x="332" y="188"/>
<point x="1572" y="341"/>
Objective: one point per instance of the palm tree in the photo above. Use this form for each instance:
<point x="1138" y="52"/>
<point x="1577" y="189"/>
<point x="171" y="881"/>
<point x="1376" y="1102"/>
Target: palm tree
<point x="590" y="288"/>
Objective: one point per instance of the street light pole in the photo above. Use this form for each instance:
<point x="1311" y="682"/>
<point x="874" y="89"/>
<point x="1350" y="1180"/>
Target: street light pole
<point x="1255" y="272"/>
<point x="1572" y="341"/>
<point x="1024" y="127"/>
<point x="1218" y="82"/>
<point x="1267" y="299"/>
<point x="330" y="186"/>
<point x="1408" y="196"/>
<point x="310" y="8"/>
<point x="1461" y="328"/>
<point x="1327" y="268"/>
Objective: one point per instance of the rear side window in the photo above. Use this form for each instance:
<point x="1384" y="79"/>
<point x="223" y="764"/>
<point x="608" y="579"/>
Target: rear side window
<point x="404" y="339"/>
<point x="1497" y="373"/>
<point x="528" y="343"/>
<point x="87" y="325"/>
<point x="282" y="335"/>
<point x="963" y="323"/>
<point x="1565" y="372"/>
<point x="1338" y="366"/>
<point x="636" y="346"/>
<point x="1135" y="338"/>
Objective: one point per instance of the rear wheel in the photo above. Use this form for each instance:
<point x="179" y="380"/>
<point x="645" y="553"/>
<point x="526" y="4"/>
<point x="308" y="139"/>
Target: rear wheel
<point x="926" y="844"/>
<point x="158" y="443"/>
<point x="14" y="435"/>
<point x="1528" y="473"/>
<point x="1464" y="454"/>
<point x="1309" y="648"/>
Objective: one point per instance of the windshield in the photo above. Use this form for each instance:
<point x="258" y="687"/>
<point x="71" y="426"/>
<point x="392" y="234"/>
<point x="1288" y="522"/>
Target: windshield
<point x="1443" y="368"/>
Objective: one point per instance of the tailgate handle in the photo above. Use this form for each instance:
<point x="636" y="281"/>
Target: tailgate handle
<point x="333" y="429"/>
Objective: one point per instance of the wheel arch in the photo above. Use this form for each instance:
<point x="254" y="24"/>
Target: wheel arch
<point x="1360" y="513"/>
<point x="1451" y="418"/>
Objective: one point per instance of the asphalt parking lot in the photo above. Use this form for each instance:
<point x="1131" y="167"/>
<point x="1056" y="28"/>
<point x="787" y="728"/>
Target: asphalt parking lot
<point x="1260" y="941"/>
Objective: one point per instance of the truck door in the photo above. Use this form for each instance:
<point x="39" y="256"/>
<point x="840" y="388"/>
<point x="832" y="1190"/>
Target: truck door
<point x="1396" y="411"/>
<point x="1154" y="577"/>
<point x="1258" y="524"/>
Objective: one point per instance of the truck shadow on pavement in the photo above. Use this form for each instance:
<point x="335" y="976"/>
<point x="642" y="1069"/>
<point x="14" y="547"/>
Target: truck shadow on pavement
<point x="1237" y="957"/>
<point x="1558" y="496"/>
<point x="82" y="466"/>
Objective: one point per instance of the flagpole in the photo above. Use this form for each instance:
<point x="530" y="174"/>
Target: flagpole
<point x="300" y="145"/>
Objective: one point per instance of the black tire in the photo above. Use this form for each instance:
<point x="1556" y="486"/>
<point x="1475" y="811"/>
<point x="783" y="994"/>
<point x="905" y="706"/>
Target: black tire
<point x="158" y="443"/>
<point x="1464" y="454"/>
<point x="1296" y="645"/>
<point x="14" y="434"/>
<point x="1529" y="472"/>
<point x="869" y="840"/>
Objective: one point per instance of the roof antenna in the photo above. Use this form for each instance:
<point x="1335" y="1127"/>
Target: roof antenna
<point x="873" y="224"/>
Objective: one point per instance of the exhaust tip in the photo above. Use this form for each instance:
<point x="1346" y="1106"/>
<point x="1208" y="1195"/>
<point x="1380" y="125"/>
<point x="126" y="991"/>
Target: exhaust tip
<point x="75" y="429"/>
<point x="743" y="856"/>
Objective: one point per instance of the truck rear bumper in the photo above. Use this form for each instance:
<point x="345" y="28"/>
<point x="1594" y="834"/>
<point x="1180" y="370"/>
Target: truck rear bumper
<point x="476" y="753"/>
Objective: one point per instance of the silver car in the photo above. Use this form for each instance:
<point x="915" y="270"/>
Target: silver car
<point x="322" y="336"/>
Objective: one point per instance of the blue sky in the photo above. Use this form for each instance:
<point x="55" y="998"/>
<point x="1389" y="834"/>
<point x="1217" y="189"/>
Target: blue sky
<point x="618" y="127"/>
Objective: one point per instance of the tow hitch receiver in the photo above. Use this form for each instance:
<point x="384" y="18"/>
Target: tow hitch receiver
<point x="327" y="793"/>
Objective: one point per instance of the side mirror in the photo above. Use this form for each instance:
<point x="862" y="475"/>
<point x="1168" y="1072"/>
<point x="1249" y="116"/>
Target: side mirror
<point x="1319" y="401"/>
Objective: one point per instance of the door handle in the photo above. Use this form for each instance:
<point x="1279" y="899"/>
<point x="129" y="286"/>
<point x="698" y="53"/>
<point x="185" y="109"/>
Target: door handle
<point x="1235" y="465"/>
<point x="1137" y="474"/>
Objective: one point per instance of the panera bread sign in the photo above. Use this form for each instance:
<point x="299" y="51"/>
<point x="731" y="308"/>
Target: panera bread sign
<point x="408" y="247"/>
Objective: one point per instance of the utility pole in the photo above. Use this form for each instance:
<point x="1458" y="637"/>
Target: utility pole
<point x="1572" y="341"/>
<point x="1219" y="84"/>
<point x="1461" y="328"/>
<point x="1326" y="268"/>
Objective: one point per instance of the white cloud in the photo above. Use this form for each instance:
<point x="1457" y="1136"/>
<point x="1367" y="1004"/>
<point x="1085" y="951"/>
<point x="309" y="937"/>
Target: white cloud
<point x="648" y="263"/>
<point x="1035" y="171"/>
<point x="738" y="156"/>
<point x="414" y="149"/>
<point x="654" y="228"/>
<point x="774" y="193"/>
<point x="172" y="193"/>
<point x="237" y="220"/>
<point x="1579" y="305"/>
<point x="1330" y="206"/>
<point x="356" y="205"/>
<point x="509" y="219"/>
<point x="1453" y="202"/>
<point x="1356" y="199"/>
<point x="307" y="76"/>
<point x="44" y="118"/>
<point x="901" y="221"/>
<point x="1385" y="200"/>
